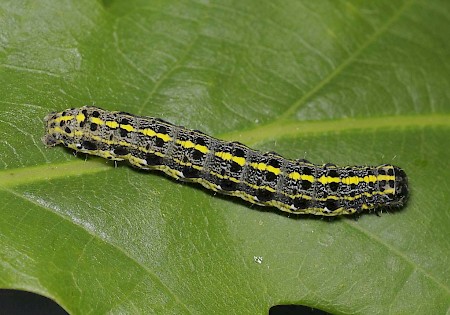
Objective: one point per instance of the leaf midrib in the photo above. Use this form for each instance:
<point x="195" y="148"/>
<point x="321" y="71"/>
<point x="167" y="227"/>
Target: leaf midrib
<point x="298" y="129"/>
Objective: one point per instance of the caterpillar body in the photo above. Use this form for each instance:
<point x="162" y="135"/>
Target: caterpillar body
<point x="231" y="168"/>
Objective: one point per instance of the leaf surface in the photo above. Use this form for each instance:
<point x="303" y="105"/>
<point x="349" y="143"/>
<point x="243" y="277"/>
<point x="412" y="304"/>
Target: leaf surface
<point x="343" y="82"/>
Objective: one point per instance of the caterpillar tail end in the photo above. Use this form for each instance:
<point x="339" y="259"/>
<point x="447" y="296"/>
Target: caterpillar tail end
<point x="401" y="188"/>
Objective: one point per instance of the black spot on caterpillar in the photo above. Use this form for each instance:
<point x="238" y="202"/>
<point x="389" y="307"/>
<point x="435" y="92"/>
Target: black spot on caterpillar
<point x="231" y="168"/>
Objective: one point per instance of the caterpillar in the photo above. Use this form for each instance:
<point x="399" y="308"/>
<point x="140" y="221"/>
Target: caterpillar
<point x="231" y="168"/>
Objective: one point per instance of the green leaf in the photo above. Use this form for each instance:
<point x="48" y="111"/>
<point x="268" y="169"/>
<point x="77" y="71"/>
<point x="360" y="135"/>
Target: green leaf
<point x="357" y="82"/>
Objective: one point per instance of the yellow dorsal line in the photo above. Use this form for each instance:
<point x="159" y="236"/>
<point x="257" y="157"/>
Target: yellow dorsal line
<point x="224" y="155"/>
<point x="164" y="137"/>
<point x="97" y="121"/>
<point x="148" y="132"/>
<point x="239" y="160"/>
<point x="229" y="157"/>
<point x="297" y="176"/>
<point x="201" y="148"/>
<point x="152" y="133"/>
<point x="64" y="118"/>
<point x="80" y="117"/>
<point x="351" y="180"/>
<point x="274" y="170"/>
<point x="265" y="167"/>
<point x="112" y="124"/>
<point x="189" y="144"/>
<point x="186" y="144"/>
<point x="327" y="180"/>
<point x="128" y="128"/>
